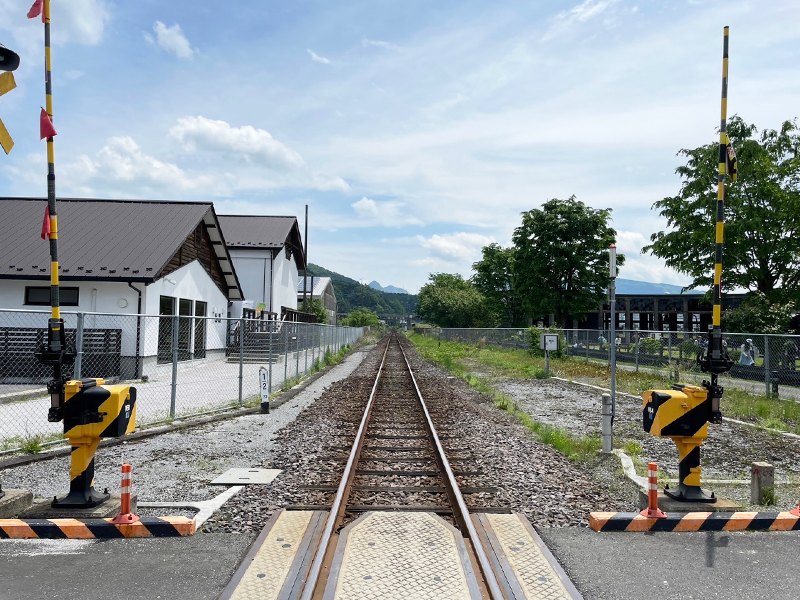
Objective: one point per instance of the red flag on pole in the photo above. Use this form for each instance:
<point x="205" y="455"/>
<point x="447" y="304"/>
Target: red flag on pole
<point x="46" y="223"/>
<point x="36" y="10"/>
<point x="46" y="128"/>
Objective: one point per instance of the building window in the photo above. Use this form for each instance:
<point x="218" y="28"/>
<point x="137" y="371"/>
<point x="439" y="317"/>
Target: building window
<point x="40" y="296"/>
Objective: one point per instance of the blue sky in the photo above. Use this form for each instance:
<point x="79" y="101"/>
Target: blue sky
<point x="416" y="131"/>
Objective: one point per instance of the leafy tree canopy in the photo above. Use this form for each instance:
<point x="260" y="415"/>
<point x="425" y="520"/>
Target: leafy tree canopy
<point x="361" y="317"/>
<point x="761" y="243"/>
<point x="448" y="300"/>
<point x="319" y="310"/>
<point x="494" y="278"/>
<point x="758" y="315"/>
<point x="561" y="259"/>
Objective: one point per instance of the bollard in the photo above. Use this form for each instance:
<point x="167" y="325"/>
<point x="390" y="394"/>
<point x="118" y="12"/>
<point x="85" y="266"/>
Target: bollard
<point x="125" y="516"/>
<point x="762" y="476"/>
<point x="605" y="424"/>
<point x="652" y="511"/>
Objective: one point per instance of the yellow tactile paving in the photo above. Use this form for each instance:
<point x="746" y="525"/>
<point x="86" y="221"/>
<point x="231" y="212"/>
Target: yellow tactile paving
<point x="402" y="555"/>
<point x="266" y="574"/>
<point x="538" y="580"/>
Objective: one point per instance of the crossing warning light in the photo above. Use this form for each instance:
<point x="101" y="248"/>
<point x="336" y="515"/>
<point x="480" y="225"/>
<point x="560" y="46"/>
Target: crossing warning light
<point x="91" y="411"/>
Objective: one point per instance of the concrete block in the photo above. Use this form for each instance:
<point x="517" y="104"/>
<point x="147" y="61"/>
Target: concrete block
<point x="762" y="476"/>
<point x="108" y="509"/>
<point x="670" y="505"/>
<point x="14" y="502"/>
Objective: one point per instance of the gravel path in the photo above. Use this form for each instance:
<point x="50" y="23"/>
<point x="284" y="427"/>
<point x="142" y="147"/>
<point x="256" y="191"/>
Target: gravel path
<point x="726" y="454"/>
<point x="531" y="478"/>
<point x="178" y="466"/>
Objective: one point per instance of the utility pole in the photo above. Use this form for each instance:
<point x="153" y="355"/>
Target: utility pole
<point x="305" y="266"/>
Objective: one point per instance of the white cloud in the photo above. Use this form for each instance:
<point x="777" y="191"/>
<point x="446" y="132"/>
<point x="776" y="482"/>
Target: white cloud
<point x="385" y="213"/>
<point x="317" y="58"/>
<point x="459" y="246"/>
<point x="171" y="39"/>
<point x="121" y="167"/>
<point x="200" y="133"/>
<point x="581" y="13"/>
<point x="378" y="44"/>
<point x="83" y="21"/>
<point x="76" y="21"/>
<point x="73" y="74"/>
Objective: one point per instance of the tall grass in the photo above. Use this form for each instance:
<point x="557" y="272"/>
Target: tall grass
<point x="505" y="362"/>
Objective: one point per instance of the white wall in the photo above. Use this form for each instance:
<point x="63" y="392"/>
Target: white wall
<point x="192" y="282"/>
<point x="285" y="277"/>
<point x="253" y="268"/>
<point x="93" y="296"/>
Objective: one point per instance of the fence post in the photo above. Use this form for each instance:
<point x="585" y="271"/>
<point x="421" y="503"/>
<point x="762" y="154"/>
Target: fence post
<point x="669" y="360"/>
<point x="241" y="357"/>
<point x="269" y="380"/>
<point x="605" y="424"/>
<point x="766" y="364"/>
<point x="587" y="345"/>
<point x="305" y="345"/>
<point x="174" y="395"/>
<point x="76" y="372"/>
<point x="297" y="351"/>
<point x="638" y="337"/>
<point x="285" y="353"/>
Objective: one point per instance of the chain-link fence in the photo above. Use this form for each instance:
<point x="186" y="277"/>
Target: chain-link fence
<point x="761" y="363"/>
<point x="181" y="365"/>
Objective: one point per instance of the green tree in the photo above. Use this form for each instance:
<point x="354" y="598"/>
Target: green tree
<point x="319" y="310"/>
<point x="361" y="317"/>
<point x="561" y="259"/>
<point x="448" y="300"/>
<point x="758" y="315"/>
<point x="494" y="278"/>
<point x="762" y="246"/>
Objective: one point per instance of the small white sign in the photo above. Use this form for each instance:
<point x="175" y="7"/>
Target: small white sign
<point x="549" y="342"/>
<point x="263" y="377"/>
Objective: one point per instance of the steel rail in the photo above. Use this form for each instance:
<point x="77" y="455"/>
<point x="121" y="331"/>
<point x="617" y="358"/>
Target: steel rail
<point x="462" y="512"/>
<point x="343" y="491"/>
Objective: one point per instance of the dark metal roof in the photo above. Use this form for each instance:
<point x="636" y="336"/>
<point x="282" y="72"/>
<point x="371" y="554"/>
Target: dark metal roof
<point x="263" y="232"/>
<point x="111" y="240"/>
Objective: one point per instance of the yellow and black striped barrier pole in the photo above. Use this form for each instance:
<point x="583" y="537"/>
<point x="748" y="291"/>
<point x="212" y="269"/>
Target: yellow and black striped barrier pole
<point x="55" y="353"/>
<point x="716" y="360"/>
<point x="684" y="412"/>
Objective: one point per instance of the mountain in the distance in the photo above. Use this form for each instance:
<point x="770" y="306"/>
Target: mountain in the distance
<point x="389" y="289"/>
<point x="645" y="288"/>
<point x="351" y="294"/>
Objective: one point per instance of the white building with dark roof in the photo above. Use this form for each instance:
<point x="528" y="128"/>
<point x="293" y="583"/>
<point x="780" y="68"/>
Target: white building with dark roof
<point x="267" y="252"/>
<point x="121" y="257"/>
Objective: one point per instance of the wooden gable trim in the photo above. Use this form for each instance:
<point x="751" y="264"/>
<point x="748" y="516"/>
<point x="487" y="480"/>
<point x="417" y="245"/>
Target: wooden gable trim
<point x="198" y="246"/>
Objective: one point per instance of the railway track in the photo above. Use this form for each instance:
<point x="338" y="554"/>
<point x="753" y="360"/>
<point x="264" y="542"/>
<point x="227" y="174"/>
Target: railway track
<point x="397" y="413"/>
<point x="398" y="525"/>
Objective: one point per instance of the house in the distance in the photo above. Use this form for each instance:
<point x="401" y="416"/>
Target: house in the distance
<point x="121" y="258"/>
<point x="267" y="252"/>
<point x="320" y="288"/>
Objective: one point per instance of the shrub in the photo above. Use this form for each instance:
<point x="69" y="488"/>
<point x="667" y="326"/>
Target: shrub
<point x="534" y="335"/>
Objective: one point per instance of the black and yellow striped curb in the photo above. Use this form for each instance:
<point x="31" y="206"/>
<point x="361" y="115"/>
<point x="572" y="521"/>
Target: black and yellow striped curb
<point x="89" y="529"/>
<point x="696" y="521"/>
